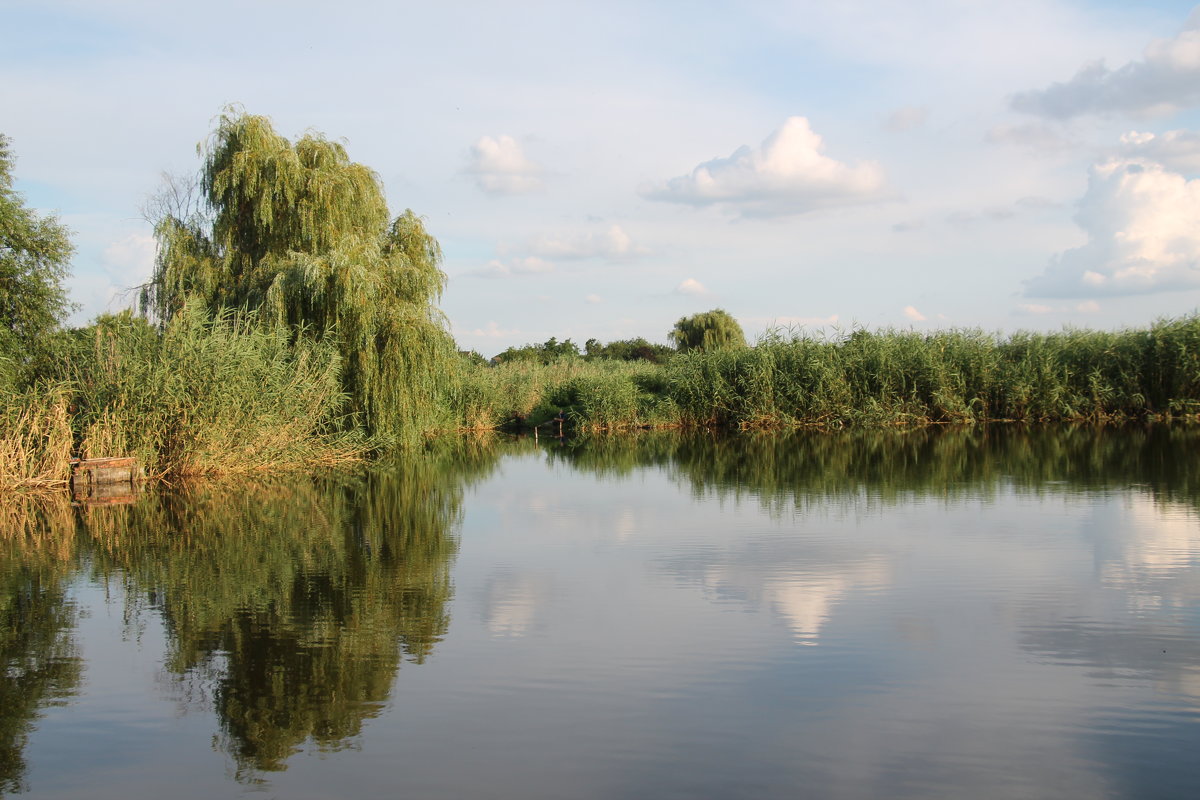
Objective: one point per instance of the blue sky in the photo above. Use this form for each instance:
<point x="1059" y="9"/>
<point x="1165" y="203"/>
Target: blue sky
<point x="599" y="170"/>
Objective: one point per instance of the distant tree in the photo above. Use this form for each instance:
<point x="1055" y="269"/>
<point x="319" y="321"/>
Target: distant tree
<point x="300" y="233"/>
<point x="629" y="350"/>
<point x="550" y="350"/>
<point x="710" y="330"/>
<point x="35" y="252"/>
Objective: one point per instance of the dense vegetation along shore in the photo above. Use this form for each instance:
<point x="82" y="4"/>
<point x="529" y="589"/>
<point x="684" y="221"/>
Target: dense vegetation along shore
<point x="291" y="322"/>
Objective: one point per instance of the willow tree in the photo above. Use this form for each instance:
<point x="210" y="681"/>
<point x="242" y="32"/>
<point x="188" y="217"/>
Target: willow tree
<point x="302" y="235"/>
<point x="710" y="330"/>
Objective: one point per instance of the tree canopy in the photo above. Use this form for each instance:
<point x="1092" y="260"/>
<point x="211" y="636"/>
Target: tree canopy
<point x="35" y="252"/>
<point x="299" y="233"/>
<point x="547" y="352"/>
<point x="637" y="349"/>
<point x="710" y="330"/>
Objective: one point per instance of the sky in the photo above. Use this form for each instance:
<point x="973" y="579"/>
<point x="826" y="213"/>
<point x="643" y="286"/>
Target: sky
<point x="599" y="170"/>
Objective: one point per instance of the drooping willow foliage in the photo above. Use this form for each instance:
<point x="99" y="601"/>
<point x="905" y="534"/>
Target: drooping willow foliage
<point x="301" y="234"/>
<point x="710" y="330"/>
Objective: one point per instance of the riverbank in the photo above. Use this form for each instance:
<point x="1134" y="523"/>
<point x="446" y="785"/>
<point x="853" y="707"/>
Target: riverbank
<point x="211" y="396"/>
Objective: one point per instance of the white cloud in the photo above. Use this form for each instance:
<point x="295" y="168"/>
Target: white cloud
<point x="1178" y="151"/>
<point x="912" y="313"/>
<point x="531" y="265"/>
<point x="613" y="245"/>
<point x="1034" y="137"/>
<point x="130" y="261"/>
<point x="500" y="167"/>
<point x="691" y="286"/>
<point x="1034" y="308"/>
<point x="1143" y="237"/>
<point x="1167" y="78"/>
<point x="787" y="174"/>
<point x="1086" y="307"/>
<point x="906" y="119"/>
<point x="594" y="299"/>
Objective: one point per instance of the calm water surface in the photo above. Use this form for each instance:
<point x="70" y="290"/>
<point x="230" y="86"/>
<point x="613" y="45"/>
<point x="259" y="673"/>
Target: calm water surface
<point x="1003" y="613"/>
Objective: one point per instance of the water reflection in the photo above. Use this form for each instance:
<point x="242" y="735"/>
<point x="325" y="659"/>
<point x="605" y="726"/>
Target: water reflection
<point x="869" y="613"/>
<point x="39" y="662"/>
<point x="290" y="606"/>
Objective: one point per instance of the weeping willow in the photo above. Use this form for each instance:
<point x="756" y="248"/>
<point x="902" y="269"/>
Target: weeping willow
<point x="300" y="234"/>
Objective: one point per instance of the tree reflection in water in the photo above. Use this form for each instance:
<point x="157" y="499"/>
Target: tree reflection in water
<point x="39" y="665"/>
<point x="290" y="606"/>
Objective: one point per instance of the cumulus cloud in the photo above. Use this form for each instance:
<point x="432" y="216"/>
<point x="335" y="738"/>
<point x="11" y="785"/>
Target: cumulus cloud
<point x="1167" y="78"/>
<point x="906" y="119"/>
<point x="691" y="286"/>
<point x="1178" y="151"/>
<point x="594" y="298"/>
<point x="1143" y="236"/>
<point x="787" y="174"/>
<point x="912" y="313"/>
<point x="501" y="168"/>
<point x="613" y="245"/>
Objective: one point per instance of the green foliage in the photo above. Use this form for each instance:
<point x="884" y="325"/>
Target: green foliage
<point x="890" y="376"/>
<point x="35" y="252"/>
<point x="867" y="378"/>
<point x="299" y="233"/>
<point x="629" y="350"/>
<point x="206" y="395"/>
<point x="550" y="350"/>
<point x="600" y="394"/>
<point x="707" y="331"/>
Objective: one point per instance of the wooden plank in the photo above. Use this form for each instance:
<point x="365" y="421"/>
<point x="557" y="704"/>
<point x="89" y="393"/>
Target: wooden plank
<point x="121" y="469"/>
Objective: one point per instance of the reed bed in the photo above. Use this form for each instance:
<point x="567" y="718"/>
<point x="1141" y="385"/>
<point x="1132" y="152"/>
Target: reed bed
<point x="35" y="441"/>
<point x="594" y="395"/>
<point x="888" y="377"/>
<point x="206" y="396"/>
<point x="225" y="395"/>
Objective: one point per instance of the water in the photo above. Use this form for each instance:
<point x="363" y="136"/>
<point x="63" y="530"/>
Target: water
<point x="1002" y="613"/>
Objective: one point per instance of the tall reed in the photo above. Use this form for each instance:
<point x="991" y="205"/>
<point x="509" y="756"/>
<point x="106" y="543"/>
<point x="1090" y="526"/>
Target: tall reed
<point x="35" y="440"/>
<point x="209" y="395"/>
<point x="886" y="377"/>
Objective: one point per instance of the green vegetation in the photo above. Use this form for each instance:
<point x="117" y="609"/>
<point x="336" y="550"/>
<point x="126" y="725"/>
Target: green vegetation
<point x="34" y="256"/>
<point x="550" y="350"/>
<point x="290" y="322"/>
<point x="629" y="350"/>
<point x="867" y="378"/>
<point x="709" y="331"/>
<point x="300" y="234"/>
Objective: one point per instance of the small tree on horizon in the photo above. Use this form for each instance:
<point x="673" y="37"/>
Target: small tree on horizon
<point x="709" y="330"/>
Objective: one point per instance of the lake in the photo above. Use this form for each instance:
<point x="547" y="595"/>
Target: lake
<point x="990" y="612"/>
